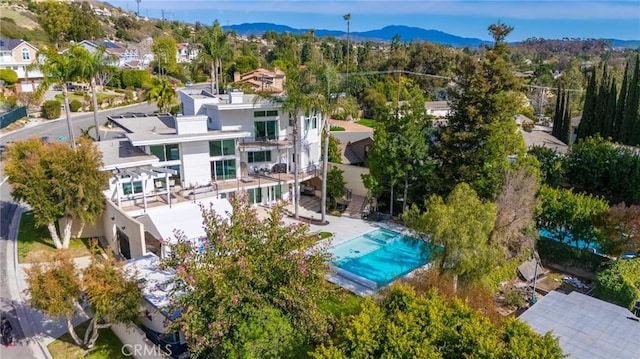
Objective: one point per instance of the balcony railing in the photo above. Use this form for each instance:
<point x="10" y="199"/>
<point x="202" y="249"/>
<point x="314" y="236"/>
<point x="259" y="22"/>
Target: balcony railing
<point x="281" y="142"/>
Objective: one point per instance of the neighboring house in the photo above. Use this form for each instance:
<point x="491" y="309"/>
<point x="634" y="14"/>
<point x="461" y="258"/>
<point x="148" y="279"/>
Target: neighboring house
<point x="438" y="109"/>
<point x="222" y="144"/>
<point x="261" y="80"/>
<point x="156" y="315"/>
<point x="123" y="57"/>
<point x="587" y="327"/>
<point x="186" y="53"/>
<point x="17" y="55"/>
<point x="354" y="146"/>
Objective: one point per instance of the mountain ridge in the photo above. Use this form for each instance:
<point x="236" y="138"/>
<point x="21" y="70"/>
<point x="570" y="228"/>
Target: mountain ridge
<point x="386" y="34"/>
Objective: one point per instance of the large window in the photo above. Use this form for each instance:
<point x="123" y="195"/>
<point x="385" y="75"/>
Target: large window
<point x="224" y="169"/>
<point x="310" y="122"/>
<point x="25" y="54"/>
<point x="255" y="195"/>
<point x="270" y="113"/>
<point x="222" y="148"/>
<point x="166" y="152"/>
<point x="133" y="187"/>
<point x="266" y="130"/>
<point x="260" y="156"/>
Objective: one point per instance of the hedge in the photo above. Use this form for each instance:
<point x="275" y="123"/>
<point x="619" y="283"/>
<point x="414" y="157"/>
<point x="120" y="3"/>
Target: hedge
<point x="509" y="270"/>
<point x="620" y="283"/>
<point x="552" y="251"/>
<point x="51" y="109"/>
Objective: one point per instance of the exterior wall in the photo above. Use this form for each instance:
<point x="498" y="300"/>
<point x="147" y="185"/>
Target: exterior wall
<point x="135" y="340"/>
<point x="15" y="62"/>
<point x="191" y="125"/>
<point x="196" y="164"/>
<point x="132" y="228"/>
<point x="352" y="176"/>
<point x="90" y="230"/>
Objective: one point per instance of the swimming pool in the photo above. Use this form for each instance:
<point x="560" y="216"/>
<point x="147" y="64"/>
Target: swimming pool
<point x="568" y="240"/>
<point x="379" y="256"/>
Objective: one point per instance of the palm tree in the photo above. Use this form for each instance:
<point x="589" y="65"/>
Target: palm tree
<point x="58" y="69"/>
<point x="90" y="66"/>
<point x="215" y="49"/>
<point x="297" y="101"/>
<point x="347" y="18"/>
<point x="163" y="93"/>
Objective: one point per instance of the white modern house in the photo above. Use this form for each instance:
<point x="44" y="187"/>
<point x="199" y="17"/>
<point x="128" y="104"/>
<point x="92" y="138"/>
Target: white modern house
<point x="166" y="166"/>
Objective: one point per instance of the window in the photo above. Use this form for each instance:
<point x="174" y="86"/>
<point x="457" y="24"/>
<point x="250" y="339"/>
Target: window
<point x="26" y="55"/>
<point x="260" y="156"/>
<point x="166" y="152"/>
<point x="269" y="113"/>
<point x="291" y="124"/>
<point x="255" y="195"/>
<point x="175" y="178"/>
<point x="224" y="169"/>
<point x="266" y="130"/>
<point x="222" y="148"/>
<point x="132" y="187"/>
<point x="310" y="122"/>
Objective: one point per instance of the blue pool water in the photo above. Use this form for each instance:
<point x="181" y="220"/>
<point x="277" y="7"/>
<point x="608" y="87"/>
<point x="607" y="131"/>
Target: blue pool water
<point x="568" y="240"/>
<point x="380" y="256"/>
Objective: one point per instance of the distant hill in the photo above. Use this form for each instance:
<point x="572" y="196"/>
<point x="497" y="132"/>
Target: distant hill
<point x="387" y="33"/>
<point x="407" y="33"/>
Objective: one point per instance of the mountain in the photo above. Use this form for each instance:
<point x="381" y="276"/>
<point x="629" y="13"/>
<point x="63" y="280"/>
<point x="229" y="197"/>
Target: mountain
<point x="387" y="33"/>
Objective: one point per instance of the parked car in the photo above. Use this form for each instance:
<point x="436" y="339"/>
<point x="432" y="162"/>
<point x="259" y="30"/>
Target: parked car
<point x="629" y="255"/>
<point x="188" y="84"/>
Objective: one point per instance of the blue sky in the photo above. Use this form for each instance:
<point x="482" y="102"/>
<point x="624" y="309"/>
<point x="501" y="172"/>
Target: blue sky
<point x="543" y="18"/>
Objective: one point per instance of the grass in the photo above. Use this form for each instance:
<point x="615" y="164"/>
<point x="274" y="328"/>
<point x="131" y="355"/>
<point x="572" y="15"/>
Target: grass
<point x="72" y="96"/>
<point x="367" y="122"/>
<point x="108" y="346"/>
<point x="35" y="242"/>
<point x="336" y="128"/>
<point x="325" y="235"/>
<point x="340" y="302"/>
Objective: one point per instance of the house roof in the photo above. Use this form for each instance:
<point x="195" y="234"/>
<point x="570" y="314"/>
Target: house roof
<point x="155" y="282"/>
<point x="541" y="136"/>
<point x="7" y="44"/>
<point x="587" y="327"/>
<point x="186" y="217"/>
<point x="121" y="154"/>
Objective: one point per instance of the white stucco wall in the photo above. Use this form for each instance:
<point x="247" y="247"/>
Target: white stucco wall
<point x="196" y="167"/>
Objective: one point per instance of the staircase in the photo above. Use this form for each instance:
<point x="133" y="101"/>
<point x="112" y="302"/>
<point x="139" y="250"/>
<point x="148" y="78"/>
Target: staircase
<point x="354" y="210"/>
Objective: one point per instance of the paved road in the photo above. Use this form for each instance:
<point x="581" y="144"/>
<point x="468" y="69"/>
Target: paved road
<point x="53" y="130"/>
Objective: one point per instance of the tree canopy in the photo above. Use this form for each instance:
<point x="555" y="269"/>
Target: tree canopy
<point x="253" y="288"/>
<point x="406" y="325"/>
<point x="57" y="182"/>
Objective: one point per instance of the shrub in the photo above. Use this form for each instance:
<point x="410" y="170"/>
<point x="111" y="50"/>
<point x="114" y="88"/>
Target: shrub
<point x="513" y="298"/>
<point x="620" y="283"/>
<point x="336" y="128"/>
<point x="75" y="105"/>
<point x="135" y="78"/>
<point x="552" y="251"/>
<point x="9" y="76"/>
<point x="336" y="213"/>
<point x="51" y="109"/>
<point x="528" y="126"/>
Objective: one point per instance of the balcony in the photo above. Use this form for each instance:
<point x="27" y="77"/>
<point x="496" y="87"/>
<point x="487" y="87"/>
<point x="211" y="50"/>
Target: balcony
<point x="264" y="143"/>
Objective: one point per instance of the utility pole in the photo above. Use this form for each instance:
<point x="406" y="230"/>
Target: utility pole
<point x="347" y="17"/>
<point x="138" y="13"/>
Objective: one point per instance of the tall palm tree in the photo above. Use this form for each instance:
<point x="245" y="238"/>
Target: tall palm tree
<point x="215" y="49"/>
<point x="90" y="66"/>
<point x="347" y="18"/>
<point x="58" y="69"/>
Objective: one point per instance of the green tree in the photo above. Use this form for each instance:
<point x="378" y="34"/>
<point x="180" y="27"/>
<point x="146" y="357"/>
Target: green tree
<point x="621" y="229"/>
<point x="85" y="24"/>
<point x="620" y="283"/>
<point x="58" y="69"/>
<point x="56" y="289"/>
<point x="253" y="273"/>
<point x="458" y="230"/>
<point x="164" y="52"/>
<point x="587" y="124"/>
<point x="406" y="325"/>
<point x="90" y="66"/>
<point x="631" y="121"/>
<point x="481" y="134"/>
<point x="57" y="182"/>
<point x="215" y="50"/>
<point x="54" y="18"/>
<point x="8" y="76"/>
<point x="565" y="213"/>
<point x="163" y="94"/>
<point x="335" y="184"/>
<point x="334" y="154"/>
<point x="551" y="168"/>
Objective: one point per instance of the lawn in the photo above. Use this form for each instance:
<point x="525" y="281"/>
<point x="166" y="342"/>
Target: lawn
<point x="367" y="122"/>
<point x="108" y="346"/>
<point x="35" y="242"/>
<point x="340" y="302"/>
<point x="72" y="96"/>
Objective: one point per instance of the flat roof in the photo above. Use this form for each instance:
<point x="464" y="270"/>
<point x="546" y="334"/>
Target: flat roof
<point x="120" y="153"/>
<point x="541" y="136"/>
<point x="587" y="327"/>
<point x="160" y="129"/>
